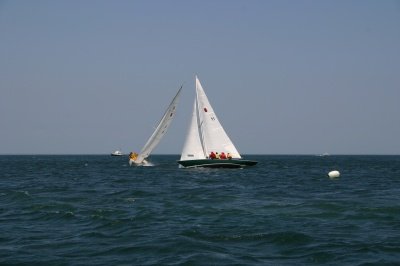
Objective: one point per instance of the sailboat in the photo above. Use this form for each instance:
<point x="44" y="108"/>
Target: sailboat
<point x="117" y="153"/>
<point x="206" y="136"/>
<point x="158" y="134"/>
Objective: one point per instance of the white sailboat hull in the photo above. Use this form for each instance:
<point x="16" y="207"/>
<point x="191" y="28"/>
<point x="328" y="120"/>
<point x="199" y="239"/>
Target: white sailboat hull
<point x="142" y="163"/>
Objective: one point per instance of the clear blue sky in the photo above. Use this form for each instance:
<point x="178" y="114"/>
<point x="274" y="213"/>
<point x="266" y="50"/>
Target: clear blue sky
<point x="284" y="77"/>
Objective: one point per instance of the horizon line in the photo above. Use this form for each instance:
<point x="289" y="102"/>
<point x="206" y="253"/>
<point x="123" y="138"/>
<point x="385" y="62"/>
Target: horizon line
<point x="178" y="154"/>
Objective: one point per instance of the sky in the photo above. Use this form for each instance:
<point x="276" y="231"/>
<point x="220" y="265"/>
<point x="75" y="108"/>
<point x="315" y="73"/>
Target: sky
<point x="284" y="77"/>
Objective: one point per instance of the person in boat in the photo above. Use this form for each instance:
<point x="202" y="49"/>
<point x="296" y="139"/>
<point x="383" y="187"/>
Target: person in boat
<point x="212" y="155"/>
<point x="229" y="156"/>
<point x="133" y="156"/>
<point x="223" y="156"/>
<point x="217" y="155"/>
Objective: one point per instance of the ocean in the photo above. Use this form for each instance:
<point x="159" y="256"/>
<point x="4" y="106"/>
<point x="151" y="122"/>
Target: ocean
<point x="97" y="210"/>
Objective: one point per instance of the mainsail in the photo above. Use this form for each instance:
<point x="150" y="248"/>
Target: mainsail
<point x="160" y="131"/>
<point x="205" y="133"/>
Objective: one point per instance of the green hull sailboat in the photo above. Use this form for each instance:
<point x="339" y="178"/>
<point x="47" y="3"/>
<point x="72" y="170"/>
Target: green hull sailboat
<point x="215" y="163"/>
<point x="206" y="136"/>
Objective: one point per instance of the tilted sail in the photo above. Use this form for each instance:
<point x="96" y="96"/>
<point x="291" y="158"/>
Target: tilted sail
<point x="206" y="132"/>
<point x="160" y="131"/>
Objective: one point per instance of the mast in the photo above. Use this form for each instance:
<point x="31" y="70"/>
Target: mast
<point x="200" y="122"/>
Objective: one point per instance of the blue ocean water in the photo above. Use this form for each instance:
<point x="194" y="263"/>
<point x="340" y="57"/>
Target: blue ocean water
<point x="96" y="210"/>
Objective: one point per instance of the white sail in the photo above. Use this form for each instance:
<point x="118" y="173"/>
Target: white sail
<point x="160" y="131"/>
<point x="214" y="136"/>
<point x="206" y="132"/>
<point x="193" y="149"/>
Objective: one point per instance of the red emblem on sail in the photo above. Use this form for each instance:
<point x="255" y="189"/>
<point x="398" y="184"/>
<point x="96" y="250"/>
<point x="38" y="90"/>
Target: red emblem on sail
<point x="205" y="110"/>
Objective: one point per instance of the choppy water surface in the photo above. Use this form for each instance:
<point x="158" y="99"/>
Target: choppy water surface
<point x="96" y="210"/>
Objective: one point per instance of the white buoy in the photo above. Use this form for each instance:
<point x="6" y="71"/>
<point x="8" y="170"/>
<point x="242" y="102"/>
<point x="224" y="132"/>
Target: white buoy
<point x="334" y="174"/>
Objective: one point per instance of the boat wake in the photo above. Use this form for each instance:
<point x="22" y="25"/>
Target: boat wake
<point x="146" y="164"/>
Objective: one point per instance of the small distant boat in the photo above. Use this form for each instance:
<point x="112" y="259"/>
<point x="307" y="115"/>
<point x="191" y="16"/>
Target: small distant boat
<point x="206" y="136"/>
<point x="117" y="153"/>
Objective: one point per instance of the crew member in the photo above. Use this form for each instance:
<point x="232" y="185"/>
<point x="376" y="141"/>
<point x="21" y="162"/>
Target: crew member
<point x="223" y="155"/>
<point x="212" y="155"/>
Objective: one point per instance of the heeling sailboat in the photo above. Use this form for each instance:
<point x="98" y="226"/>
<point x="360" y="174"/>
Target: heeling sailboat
<point x="158" y="134"/>
<point x="206" y="135"/>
